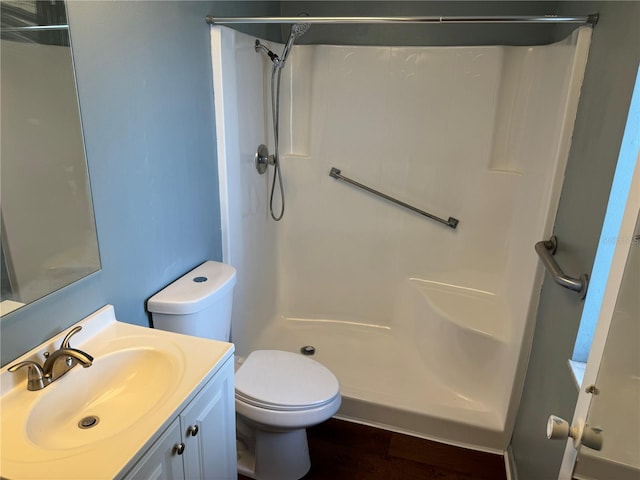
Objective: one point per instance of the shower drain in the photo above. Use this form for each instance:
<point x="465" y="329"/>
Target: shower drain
<point x="88" y="422"/>
<point x="308" y="350"/>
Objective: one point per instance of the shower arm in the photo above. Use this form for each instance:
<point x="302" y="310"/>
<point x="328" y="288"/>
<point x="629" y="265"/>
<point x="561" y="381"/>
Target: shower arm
<point x="582" y="20"/>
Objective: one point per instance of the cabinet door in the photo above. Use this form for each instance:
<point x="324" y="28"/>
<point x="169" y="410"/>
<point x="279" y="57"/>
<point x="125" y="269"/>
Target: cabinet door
<point x="162" y="461"/>
<point x="209" y="430"/>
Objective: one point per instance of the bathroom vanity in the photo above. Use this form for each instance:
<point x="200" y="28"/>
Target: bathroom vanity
<point x="152" y="404"/>
<point x="200" y="441"/>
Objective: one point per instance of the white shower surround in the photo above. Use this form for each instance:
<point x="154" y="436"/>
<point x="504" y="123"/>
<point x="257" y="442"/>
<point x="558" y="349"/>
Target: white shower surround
<point x="427" y="328"/>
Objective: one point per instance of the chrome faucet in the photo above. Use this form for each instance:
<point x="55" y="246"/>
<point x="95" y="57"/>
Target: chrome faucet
<point x="54" y="369"/>
<point x="39" y="377"/>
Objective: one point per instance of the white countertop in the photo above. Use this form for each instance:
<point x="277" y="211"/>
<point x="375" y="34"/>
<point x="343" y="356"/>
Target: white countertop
<point x="186" y="364"/>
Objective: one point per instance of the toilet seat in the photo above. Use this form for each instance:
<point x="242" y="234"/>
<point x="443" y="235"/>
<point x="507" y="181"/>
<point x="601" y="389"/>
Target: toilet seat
<point x="278" y="408"/>
<point x="284" y="382"/>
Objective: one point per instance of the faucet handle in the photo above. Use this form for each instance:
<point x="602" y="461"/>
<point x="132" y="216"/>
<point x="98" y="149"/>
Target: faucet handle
<point x="72" y="332"/>
<point x="35" y="375"/>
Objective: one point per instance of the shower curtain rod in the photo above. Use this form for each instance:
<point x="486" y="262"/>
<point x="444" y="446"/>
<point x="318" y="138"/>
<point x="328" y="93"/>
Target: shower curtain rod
<point x="34" y="28"/>
<point x="585" y="19"/>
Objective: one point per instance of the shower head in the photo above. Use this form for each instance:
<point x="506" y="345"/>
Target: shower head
<point x="297" y="30"/>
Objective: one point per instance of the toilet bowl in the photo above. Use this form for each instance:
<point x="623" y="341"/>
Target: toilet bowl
<point x="278" y="394"/>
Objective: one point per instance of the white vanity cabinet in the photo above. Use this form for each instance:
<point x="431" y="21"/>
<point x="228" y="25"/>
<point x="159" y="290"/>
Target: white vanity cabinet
<point x="149" y="389"/>
<point x="208" y="427"/>
<point x="201" y="442"/>
<point x="161" y="460"/>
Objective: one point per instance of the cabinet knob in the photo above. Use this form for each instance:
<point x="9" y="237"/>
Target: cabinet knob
<point x="193" y="430"/>
<point x="178" y="448"/>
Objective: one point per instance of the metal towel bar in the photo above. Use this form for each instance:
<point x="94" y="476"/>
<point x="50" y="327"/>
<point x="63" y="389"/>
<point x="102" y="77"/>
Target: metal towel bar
<point x="545" y="250"/>
<point x="451" y="222"/>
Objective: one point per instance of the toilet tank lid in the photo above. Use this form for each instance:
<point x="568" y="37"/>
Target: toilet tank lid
<point x="195" y="290"/>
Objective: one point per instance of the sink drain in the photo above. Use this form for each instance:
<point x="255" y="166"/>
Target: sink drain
<point x="308" y="350"/>
<point x="88" y="422"/>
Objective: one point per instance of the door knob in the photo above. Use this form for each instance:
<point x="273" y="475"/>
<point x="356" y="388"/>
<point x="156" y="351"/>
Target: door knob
<point x="582" y="434"/>
<point x="592" y="437"/>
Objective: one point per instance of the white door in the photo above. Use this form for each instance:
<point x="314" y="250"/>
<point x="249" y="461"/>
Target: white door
<point x="615" y="405"/>
<point x="604" y="401"/>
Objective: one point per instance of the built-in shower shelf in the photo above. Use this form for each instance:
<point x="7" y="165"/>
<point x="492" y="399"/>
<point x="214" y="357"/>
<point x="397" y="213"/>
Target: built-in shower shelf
<point x="294" y="156"/>
<point x="481" y="312"/>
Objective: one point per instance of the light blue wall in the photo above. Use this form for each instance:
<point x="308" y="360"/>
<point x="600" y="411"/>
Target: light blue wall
<point x="146" y="93"/>
<point x="602" y="113"/>
<point x="144" y="80"/>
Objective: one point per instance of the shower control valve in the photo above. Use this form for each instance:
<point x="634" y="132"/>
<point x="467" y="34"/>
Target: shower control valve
<point x="263" y="159"/>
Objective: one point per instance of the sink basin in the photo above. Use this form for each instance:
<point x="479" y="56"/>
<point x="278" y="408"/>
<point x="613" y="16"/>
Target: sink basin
<point x="94" y="422"/>
<point x="118" y="390"/>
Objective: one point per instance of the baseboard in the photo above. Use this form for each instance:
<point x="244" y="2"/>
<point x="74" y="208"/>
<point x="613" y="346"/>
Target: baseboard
<point x="510" y="464"/>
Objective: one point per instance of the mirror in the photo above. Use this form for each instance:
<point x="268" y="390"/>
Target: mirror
<point x="48" y="229"/>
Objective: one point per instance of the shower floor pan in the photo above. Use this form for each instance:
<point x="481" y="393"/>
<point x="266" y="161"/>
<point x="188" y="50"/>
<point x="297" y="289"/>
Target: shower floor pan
<point x="385" y="384"/>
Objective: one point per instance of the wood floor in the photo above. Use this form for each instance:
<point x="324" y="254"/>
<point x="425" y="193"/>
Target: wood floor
<point x="348" y="451"/>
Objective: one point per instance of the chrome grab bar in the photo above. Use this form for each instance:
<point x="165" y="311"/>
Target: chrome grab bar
<point x="451" y="222"/>
<point x="545" y="250"/>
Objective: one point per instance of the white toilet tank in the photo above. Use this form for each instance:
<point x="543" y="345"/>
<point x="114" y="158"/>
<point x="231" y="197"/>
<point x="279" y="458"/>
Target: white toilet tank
<point x="198" y="303"/>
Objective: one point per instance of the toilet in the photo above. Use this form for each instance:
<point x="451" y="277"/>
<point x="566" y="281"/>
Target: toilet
<point x="278" y="394"/>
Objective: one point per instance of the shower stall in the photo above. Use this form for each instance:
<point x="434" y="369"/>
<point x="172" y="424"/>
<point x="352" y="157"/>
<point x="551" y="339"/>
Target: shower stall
<point x="427" y="325"/>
